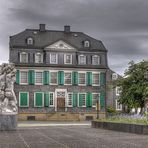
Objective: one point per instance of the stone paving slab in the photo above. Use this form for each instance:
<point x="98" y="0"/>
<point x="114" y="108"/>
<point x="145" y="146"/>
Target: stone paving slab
<point x="70" y="137"/>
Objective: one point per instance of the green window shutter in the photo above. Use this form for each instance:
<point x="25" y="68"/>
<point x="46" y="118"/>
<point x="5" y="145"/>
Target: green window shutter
<point x="24" y="99"/>
<point x="38" y="99"/>
<point x="89" y="100"/>
<point x="89" y="78"/>
<point x="80" y="100"/>
<point x="61" y="77"/>
<point x="75" y="98"/>
<point x="102" y="78"/>
<point x="18" y="77"/>
<point x="46" y="99"/>
<point x="46" y="77"/>
<point x="31" y="78"/>
<point x="75" y="78"/>
<point x="102" y="100"/>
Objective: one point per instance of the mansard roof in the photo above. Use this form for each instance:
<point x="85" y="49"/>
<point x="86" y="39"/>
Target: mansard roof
<point x="42" y="39"/>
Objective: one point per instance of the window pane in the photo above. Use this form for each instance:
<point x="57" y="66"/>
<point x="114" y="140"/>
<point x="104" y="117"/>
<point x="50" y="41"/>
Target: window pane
<point x="82" y="59"/>
<point x="53" y="58"/>
<point x="24" y="77"/>
<point x="67" y="78"/>
<point x="82" y="78"/>
<point x="54" y="77"/>
<point x="39" y="77"/>
<point x="51" y="99"/>
<point x="95" y="79"/>
<point x="95" y="98"/>
<point x="95" y="60"/>
<point x="24" y="57"/>
<point x="70" y="99"/>
<point x="68" y="58"/>
<point x="83" y="99"/>
<point x="38" y="58"/>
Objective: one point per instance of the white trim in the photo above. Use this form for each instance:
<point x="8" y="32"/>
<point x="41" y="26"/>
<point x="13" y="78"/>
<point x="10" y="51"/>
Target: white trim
<point x="27" y="99"/>
<point x="79" y="101"/>
<point x="53" y="99"/>
<point x="56" y="58"/>
<point x="42" y="99"/>
<point x="35" y="77"/>
<point x="80" y="60"/>
<point x="64" y="77"/>
<point x="20" y="77"/>
<point x="65" y="58"/>
<point x="21" y="57"/>
<point x="93" y="98"/>
<point x="85" y="78"/>
<point x="116" y="101"/>
<point x="98" y="78"/>
<point x="98" y="59"/>
<point x="71" y="99"/>
<point x="50" y="77"/>
<point x="39" y="53"/>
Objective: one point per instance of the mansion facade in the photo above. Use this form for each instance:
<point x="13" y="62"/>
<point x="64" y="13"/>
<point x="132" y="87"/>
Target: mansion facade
<point x="60" y="74"/>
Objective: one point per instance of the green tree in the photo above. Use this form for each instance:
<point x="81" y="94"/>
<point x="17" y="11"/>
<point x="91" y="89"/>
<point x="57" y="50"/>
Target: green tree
<point x="133" y="86"/>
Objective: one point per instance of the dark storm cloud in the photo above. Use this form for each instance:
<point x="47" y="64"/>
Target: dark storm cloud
<point x="122" y="25"/>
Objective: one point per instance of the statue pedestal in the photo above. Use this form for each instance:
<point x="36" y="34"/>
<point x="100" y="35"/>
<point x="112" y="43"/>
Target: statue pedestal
<point x="8" y="122"/>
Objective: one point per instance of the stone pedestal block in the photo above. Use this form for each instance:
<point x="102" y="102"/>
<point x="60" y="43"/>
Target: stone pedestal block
<point x="8" y="122"/>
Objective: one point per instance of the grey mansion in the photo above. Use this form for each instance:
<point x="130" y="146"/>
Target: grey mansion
<point x="60" y="74"/>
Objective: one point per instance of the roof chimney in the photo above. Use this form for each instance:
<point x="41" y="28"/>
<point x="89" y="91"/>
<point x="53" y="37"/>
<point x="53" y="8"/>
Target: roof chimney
<point x="42" y="27"/>
<point x="67" y="29"/>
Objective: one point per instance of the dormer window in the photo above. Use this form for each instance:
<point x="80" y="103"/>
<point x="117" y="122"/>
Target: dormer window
<point x="95" y="60"/>
<point x="82" y="59"/>
<point x="38" y="58"/>
<point x="86" y="43"/>
<point x="114" y="76"/>
<point x="29" y="41"/>
<point x="24" y="57"/>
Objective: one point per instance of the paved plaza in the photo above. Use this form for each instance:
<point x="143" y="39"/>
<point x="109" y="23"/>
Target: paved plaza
<point x="70" y="135"/>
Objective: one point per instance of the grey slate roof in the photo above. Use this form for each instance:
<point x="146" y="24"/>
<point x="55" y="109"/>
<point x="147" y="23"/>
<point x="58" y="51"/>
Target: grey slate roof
<point x="48" y="37"/>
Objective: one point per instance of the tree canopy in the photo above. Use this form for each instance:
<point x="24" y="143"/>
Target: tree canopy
<point x="134" y="85"/>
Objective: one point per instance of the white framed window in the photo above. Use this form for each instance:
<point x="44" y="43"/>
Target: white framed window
<point x="30" y="41"/>
<point x="69" y="99"/>
<point x="38" y="99"/>
<point x="38" y="58"/>
<point x="51" y="99"/>
<point x="67" y="58"/>
<point x="23" y="99"/>
<point x="23" y="77"/>
<point x="24" y="57"/>
<point x="38" y="77"/>
<point x="86" y="43"/>
<point x="95" y="79"/>
<point x="117" y="91"/>
<point x="118" y="105"/>
<point x="95" y="60"/>
<point x="114" y="76"/>
<point x="67" y="78"/>
<point x="82" y="78"/>
<point x="53" y="78"/>
<point x="82" y="59"/>
<point x="82" y="99"/>
<point x="95" y="97"/>
<point x="53" y="58"/>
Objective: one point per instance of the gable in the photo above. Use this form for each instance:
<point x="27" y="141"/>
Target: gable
<point x="60" y="45"/>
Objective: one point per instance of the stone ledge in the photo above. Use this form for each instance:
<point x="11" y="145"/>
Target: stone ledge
<point x="122" y="127"/>
<point x="8" y="122"/>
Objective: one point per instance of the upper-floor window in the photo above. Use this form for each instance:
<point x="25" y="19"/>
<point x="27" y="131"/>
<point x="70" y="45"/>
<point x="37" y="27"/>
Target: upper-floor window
<point x="96" y="97"/>
<point x="54" y="58"/>
<point x="95" y="60"/>
<point x="53" y="79"/>
<point x="118" y="105"/>
<point x="82" y="78"/>
<point x="38" y="58"/>
<point x="82" y="59"/>
<point x="118" y="90"/>
<point x="67" y="77"/>
<point x="67" y="58"/>
<point x="29" y="41"/>
<point x="39" y="77"/>
<point x="24" y="57"/>
<point x="96" y="78"/>
<point x="23" y="77"/>
<point x="86" y="43"/>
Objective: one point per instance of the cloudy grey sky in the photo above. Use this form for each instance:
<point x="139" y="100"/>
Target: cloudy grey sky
<point x="122" y="25"/>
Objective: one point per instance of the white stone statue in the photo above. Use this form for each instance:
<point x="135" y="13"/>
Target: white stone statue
<point x="8" y="101"/>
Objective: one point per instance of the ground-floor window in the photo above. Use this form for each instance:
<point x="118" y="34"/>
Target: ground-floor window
<point x="51" y="98"/>
<point x="95" y="98"/>
<point x="69" y="100"/>
<point x="82" y="99"/>
<point x="23" y="99"/>
<point x="118" y="105"/>
<point x="38" y="99"/>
